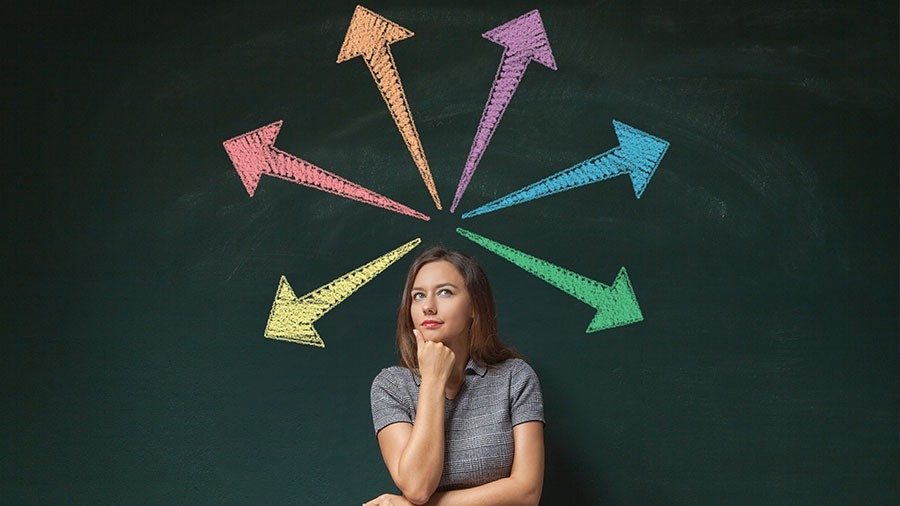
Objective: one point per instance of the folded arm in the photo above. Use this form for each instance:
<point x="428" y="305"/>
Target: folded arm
<point x="522" y="487"/>
<point x="414" y="454"/>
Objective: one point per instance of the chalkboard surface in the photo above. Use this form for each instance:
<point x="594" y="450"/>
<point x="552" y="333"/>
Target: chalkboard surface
<point x="139" y="273"/>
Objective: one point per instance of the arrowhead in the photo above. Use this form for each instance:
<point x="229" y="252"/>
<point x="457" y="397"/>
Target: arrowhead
<point x="616" y="305"/>
<point x="249" y="153"/>
<point x="639" y="154"/>
<point x="289" y="319"/>
<point x="525" y="34"/>
<point x="369" y="30"/>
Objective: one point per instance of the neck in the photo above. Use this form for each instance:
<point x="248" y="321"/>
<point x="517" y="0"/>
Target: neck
<point x="458" y="376"/>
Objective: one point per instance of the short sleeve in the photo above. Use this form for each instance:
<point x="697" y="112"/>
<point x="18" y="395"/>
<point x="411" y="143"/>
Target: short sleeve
<point x="526" y="400"/>
<point x="390" y="401"/>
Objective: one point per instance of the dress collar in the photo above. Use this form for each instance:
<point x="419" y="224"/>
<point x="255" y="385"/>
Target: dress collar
<point x="473" y="368"/>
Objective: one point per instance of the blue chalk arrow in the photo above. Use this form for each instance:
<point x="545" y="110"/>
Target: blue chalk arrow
<point x="638" y="155"/>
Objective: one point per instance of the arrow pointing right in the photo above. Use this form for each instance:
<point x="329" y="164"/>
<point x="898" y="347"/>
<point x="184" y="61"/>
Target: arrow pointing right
<point x="638" y="155"/>
<point x="616" y="305"/>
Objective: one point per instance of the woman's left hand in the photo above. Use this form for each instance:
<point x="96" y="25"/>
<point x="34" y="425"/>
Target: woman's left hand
<point x="389" y="500"/>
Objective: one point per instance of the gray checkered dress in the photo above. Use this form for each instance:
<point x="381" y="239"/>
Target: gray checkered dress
<point x="478" y="422"/>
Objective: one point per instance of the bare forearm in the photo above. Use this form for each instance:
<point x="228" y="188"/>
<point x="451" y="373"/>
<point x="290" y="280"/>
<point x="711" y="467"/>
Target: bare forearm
<point x="422" y="460"/>
<point x="503" y="492"/>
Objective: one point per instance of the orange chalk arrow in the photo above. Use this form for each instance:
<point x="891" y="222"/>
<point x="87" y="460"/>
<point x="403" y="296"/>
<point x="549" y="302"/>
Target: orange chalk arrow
<point x="370" y="36"/>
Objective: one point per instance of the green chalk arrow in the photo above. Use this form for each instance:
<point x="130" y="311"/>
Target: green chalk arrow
<point x="616" y="305"/>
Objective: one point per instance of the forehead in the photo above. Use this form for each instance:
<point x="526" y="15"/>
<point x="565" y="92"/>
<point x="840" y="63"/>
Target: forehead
<point x="438" y="272"/>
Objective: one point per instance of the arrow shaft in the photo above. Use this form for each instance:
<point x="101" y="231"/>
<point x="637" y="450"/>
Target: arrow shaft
<point x="322" y="300"/>
<point x="381" y="65"/>
<point x="593" y="170"/>
<point x="286" y="166"/>
<point x="509" y="75"/>
<point x="572" y="283"/>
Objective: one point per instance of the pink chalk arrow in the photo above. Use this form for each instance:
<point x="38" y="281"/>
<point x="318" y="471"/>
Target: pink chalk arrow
<point x="525" y="40"/>
<point x="254" y="154"/>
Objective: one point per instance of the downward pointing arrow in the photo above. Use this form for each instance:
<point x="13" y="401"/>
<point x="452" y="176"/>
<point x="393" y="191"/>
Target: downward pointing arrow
<point x="524" y="39"/>
<point x="292" y="318"/>
<point x="638" y="155"/>
<point x="254" y="154"/>
<point x="616" y="305"/>
<point x="370" y="36"/>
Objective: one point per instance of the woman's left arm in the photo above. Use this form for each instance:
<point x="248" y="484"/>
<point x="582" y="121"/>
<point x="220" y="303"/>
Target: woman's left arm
<point x="525" y="482"/>
<point x="524" y="485"/>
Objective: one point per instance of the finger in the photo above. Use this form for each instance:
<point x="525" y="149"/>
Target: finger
<point x="419" y="339"/>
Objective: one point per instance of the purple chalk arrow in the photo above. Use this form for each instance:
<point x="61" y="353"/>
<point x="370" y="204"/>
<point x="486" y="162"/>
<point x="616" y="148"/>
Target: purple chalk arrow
<point x="524" y="39"/>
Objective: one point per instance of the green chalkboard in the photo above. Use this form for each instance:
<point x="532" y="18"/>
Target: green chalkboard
<point x="139" y="273"/>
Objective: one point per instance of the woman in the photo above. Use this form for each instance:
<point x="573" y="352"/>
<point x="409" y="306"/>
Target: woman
<point x="462" y="420"/>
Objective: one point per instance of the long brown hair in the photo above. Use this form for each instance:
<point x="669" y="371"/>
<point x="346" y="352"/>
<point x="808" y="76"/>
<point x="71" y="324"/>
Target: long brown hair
<point x="485" y="347"/>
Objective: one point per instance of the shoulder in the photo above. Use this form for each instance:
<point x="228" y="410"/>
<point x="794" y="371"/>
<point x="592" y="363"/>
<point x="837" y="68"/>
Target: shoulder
<point x="514" y="371"/>
<point x="516" y="367"/>
<point x="393" y="397"/>
<point x="394" y="371"/>
<point x="394" y="377"/>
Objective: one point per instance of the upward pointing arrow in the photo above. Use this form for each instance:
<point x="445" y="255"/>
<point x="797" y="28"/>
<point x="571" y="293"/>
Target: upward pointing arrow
<point x="254" y="154"/>
<point x="616" y="305"/>
<point x="292" y="317"/>
<point x="638" y="155"/>
<point x="525" y="40"/>
<point x="370" y="36"/>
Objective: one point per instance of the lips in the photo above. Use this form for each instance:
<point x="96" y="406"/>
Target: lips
<point x="431" y="324"/>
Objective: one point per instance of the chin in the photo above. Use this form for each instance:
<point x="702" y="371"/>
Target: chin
<point x="434" y="336"/>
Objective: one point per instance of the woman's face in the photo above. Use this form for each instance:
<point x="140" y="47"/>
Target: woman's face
<point x="441" y="309"/>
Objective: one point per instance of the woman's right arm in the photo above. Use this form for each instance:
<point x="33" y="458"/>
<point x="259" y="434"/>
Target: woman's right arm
<point x="414" y="454"/>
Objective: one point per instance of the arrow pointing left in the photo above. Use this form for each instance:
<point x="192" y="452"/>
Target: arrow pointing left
<point x="254" y="154"/>
<point x="292" y="317"/>
<point x="616" y="305"/>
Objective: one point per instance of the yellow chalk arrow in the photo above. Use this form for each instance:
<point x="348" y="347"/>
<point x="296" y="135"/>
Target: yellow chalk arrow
<point x="292" y="318"/>
<point x="370" y="36"/>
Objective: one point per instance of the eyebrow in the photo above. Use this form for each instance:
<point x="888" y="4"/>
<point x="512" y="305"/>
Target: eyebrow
<point x="442" y="285"/>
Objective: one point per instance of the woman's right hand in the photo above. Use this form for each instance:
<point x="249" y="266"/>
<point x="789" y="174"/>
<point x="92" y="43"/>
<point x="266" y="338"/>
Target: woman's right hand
<point x="435" y="360"/>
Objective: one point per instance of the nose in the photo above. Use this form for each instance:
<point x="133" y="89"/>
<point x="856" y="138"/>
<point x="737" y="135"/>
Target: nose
<point x="428" y="306"/>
